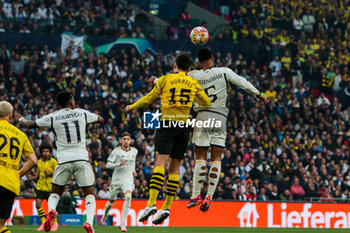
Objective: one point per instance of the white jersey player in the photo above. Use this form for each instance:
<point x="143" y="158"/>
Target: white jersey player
<point x="214" y="81"/>
<point x="69" y="126"/>
<point x="122" y="160"/>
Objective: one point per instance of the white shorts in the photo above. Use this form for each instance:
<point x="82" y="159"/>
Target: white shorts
<point x="206" y="137"/>
<point x="115" y="189"/>
<point x="81" y="170"/>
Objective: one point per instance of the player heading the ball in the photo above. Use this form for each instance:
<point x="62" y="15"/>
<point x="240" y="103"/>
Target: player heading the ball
<point x="177" y="92"/>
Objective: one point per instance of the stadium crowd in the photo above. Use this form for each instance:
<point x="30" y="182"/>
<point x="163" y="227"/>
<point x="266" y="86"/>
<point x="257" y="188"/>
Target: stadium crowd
<point x="295" y="148"/>
<point x="107" y="18"/>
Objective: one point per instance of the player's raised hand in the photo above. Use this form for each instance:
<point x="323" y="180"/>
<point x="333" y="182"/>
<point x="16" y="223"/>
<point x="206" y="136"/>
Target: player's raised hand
<point x="263" y="99"/>
<point x="17" y="116"/>
<point x="128" y="109"/>
<point x="151" y="80"/>
<point x="122" y="163"/>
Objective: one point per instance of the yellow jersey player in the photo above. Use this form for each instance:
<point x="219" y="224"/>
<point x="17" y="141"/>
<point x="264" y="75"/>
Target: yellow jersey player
<point x="13" y="144"/>
<point x="177" y="91"/>
<point x="44" y="171"/>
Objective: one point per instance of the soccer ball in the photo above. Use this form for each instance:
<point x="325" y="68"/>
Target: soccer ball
<point x="199" y="36"/>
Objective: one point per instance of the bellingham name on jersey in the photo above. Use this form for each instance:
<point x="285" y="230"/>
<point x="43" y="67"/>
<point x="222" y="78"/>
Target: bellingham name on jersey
<point x="214" y="82"/>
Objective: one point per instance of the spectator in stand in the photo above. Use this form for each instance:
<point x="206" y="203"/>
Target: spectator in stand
<point x="298" y="23"/>
<point x="286" y="196"/>
<point x="173" y="31"/>
<point x="225" y="8"/>
<point x="185" y="17"/>
<point x="141" y="18"/>
<point x="251" y="194"/>
<point x="138" y="33"/>
<point x="296" y="190"/>
<point x="273" y="193"/>
<point x="308" y="20"/>
<point x="262" y="196"/>
<point x="275" y="66"/>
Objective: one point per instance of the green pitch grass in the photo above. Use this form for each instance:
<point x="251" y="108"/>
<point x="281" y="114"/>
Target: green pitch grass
<point x="98" y="229"/>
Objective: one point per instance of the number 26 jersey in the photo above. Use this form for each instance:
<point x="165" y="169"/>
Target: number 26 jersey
<point x="69" y="128"/>
<point x="13" y="143"/>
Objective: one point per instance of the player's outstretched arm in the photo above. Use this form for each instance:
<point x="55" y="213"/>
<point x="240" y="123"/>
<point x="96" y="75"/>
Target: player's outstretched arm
<point x="245" y="85"/>
<point x="261" y="97"/>
<point x="100" y="119"/>
<point x="25" y="123"/>
<point x="147" y="99"/>
<point x="28" y="165"/>
<point x="152" y="80"/>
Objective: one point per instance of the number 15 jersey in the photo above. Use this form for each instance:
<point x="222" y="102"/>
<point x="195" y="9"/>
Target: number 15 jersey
<point x="69" y="127"/>
<point x="177" y="93"/>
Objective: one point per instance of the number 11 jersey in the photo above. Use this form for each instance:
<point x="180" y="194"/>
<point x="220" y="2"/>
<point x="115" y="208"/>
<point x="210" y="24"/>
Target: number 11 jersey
<point x="69" y="128"/>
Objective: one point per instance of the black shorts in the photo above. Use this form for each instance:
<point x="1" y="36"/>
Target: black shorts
<point x="42" y="195"/>
<point x="172" y="141"/>
<point x="6" y="201"/>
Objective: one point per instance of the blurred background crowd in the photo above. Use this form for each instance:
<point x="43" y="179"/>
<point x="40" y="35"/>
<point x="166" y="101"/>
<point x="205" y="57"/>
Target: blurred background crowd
<point x="296" y="52"/>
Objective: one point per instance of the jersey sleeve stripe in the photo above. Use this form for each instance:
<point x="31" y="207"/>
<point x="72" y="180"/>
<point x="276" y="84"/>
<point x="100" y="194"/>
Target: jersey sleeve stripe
<point x="86" y="121"/>
<point x="53" y="130"/>
<point x="226" y="82"/>
<point x="226" y="87"/>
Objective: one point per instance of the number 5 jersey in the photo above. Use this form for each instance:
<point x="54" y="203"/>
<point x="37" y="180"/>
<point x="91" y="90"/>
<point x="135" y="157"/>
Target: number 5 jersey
<point x="215" y="82"/>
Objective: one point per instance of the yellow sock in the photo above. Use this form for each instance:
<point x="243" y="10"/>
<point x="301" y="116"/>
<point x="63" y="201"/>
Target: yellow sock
<point x="171" y="188"/>
<point x="41" y="214"/>
<point x="55" y="219"/>
<point x="5" y="230"/>
<point x="155" y="185"/>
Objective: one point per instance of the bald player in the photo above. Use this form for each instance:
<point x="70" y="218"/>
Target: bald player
<point x="13" y="144"/>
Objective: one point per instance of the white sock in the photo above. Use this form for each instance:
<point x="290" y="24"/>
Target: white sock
<point x="53" y="201"/>
<point x="126" y="208"/>
<point x="107" y="209"/>
<point x="213" y="177"/>
<point x="199" y="176"/>
<point x="90" y="204"/>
